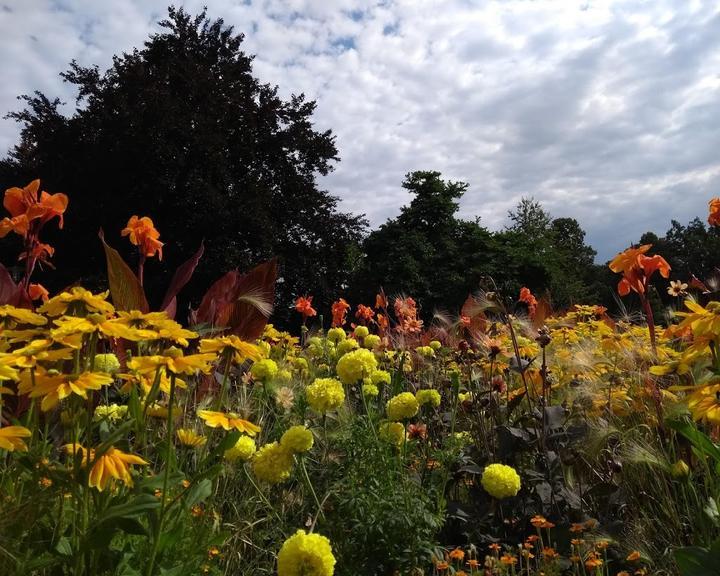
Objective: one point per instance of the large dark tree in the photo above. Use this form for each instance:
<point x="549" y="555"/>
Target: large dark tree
<point x="182" y="131"/>
<point x="427" y="252"/>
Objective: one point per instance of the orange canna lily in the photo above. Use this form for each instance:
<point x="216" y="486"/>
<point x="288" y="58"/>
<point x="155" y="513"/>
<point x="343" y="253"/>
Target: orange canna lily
<point x="714" y="216"/>
<point x="527" y="297"/>
<point x="27" y="202"/>
<point x="339" y="312"/>
<point x="637" y="268"/>
<point x="38" y="292"/>
<point x="304" y="305"/>
<point x="144" y="235"/>
<point x="18" y="224"/>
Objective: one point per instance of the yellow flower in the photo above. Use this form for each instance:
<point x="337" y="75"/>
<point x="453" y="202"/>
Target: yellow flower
<point x="702" y="321"/>
<point x="325" y="394"/>
<point x="22" y="316"/>
<point x="228" y="421"/>
<point x="11" y="438"/>
<point x="369" y="389"/>
<point x="371" y="341"/>
<point x="500" y="481"/>
<point x="393" y="432"/>
<point x="264" y="370"/>
<point x="107" y="363"/>
<point x="402" y="406"/>
<point x="54" y="388"/>
<point x="243" y="450"/>
<point x="174" y="361"/>
<point x="190" y="438"/>
<point x="356" y="365"/>
<point x="306" y="555"/>
<point x="431" y="397"/>
<point x="704" y="404"/>
<point x="79" y="298"/>
<point x="112" y="413"/>
<point x="297" y="439"/>
<point x="113" y="465"/>
<point x="239" y="349"/>
<point x="272" y="463"/>
<point x="69" y="326"/>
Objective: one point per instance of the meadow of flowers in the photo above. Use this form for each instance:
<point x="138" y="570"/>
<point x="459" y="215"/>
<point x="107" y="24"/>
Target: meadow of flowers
<point x="510" y="439"/>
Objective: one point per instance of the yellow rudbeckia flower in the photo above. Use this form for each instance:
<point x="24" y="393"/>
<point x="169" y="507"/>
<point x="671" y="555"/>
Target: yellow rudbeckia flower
<point x="22" y="315"/>
<point x="240" y="349"/>
<point x="228" y="421"/>
<point x="86" y="300"/>
<point x="11" y="438"/>
<point x="56" y="387"/>
<point x="113" y="465"/>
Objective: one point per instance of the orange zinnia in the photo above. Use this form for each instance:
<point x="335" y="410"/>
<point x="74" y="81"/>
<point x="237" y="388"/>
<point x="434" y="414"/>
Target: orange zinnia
<point x="339" y="312"/>
<point x="304" y="305"/>
<point x="144" y="235"/>
<point x="714" y="216"/>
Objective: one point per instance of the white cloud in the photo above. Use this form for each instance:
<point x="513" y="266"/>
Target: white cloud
<point x="605" y="111"/>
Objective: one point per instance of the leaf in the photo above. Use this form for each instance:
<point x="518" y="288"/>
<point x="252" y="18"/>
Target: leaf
<point x="132" y="508"/>
<point x="63" y="547"/>
<point x="198" y="492"/>
<point x="127" y="294"/>
<point x="11" y="293"/>
<point x="180" y="278"/>
<point x="478" y="321"/>
<point x="696" y="561"/>
<point x="543" y="310"/>
<point x="696" y="438"/>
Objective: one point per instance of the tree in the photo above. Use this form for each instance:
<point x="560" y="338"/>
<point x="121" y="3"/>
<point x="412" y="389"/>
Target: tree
<point x="426" y="252"/>
<point x="182" y="131"/>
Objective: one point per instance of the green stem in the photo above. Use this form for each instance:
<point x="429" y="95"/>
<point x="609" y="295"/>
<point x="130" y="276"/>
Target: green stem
<point x="310" y="486"/>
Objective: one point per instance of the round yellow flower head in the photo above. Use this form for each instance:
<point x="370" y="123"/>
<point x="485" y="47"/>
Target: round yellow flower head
<point x="336" y="335"/>
<point x="380" y="377"/>
<point x="297" y="439"/>
<point x="264" y="370"/>
<point x="112" y="413"/>
<point x="361" y="332"/>
<point x="500" y="481"/>
<point x="300" y="364"/>
<point x="272" y="463"/>
<point x="371" y="341"/>
<point x="107" y="363"/>
<point x="369" y="389"/>
<point x="306" y="555"/>
<point x="284" y="376"/>
<point x="264" y="348"/>
<point x="325" y="394"/>
<point x="346" y="346"/>
<point x="356" y="365"/>
<point x="243" y="450"/>
<point x="402" y="406"/>
<point x="426" y="351"/>
<point x="435" y="344"/>
<point x="431" y="397"/>
<point x="393" y="432"/>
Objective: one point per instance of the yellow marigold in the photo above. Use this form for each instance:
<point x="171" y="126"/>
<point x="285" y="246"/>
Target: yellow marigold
<point x="188" y="437"/>
<point x="500" y="481"/>
<point x="356" y="365"/>
<point x="435" y="344"/>
<point x="306" y="555"/>
<point x="264" y="370"/>
<point x="346" y="346"/>
<point x="243" y="450"/>
<point x="393" y="432"/>
<point x="336" y="335"/>
<point x="297" y="439"/>
<point x="325" y="394"/>
<point x="369" y="389"/>
<point x="112" y="413"/>
<point x="371" y="341"/>
<point x="361" y="332"/>
<point x="430" y="396"/>
<point x="426" y="351"/>
<point x="11" y="438"/>
<point x="272" y="463"/>
<point x="107" y="363"/>
<point x="380" y="377"/>
<point x="402" y="406"/>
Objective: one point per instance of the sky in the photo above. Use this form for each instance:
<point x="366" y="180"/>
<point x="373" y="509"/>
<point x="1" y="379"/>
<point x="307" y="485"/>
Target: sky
<point x="605" y="111"/>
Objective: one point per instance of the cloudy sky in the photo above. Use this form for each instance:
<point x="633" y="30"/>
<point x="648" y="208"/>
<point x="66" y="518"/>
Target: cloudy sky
<point x="607" y="111"/>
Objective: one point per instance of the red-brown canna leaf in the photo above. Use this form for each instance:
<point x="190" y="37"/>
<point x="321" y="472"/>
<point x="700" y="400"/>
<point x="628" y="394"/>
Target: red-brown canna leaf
<point x="180" y="278"/>
<point x="217" y="297"/>
<point x="543" y="311"/>
<point x="473" y="310"/>
<point x="125" y="289"/>
<point x="248" y="313"/>
<point x="11" y="293"/>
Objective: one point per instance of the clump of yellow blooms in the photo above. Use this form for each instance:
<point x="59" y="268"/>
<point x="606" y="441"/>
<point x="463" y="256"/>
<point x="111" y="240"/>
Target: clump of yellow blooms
<point x="243" y="450"/>
<point x="380" y="377"/>
<point x="361" y="332"/>
<point x="402" y="406"/>
<point x="111" y="413"/>
<point x="272" y="463"/>
<point x="393" y="432"/>
<point x="346" y="346"/>
<point x="306" y="555"/>
<point x="107" y="363"/>
<point x="500" y="481"/>
<point x="264" y="370"/>
<point x="356" y="365"/>
<point x="431" y="397"/>
<point x="371" y="341"/>
<point x="297" y="439"/>
<point x="369" y="389"/>
<point x="336" y="335"/>
<point x="325" y="394"/>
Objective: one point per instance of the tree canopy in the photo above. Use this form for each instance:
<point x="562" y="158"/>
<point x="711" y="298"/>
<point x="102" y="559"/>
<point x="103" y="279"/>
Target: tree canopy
<point x="182" y="131"/>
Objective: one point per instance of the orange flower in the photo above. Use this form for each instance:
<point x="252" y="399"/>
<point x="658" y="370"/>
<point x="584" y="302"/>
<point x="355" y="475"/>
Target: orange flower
<point x="633" y="556"/>
<point x="637" y="269"/>
<point x="144" y="235"/>
<point x="508" y="560"/>
<point x="457" y="554"/>
<point x="441" y="565"/>
<point x="18" y="224"/>
<point x="527" y="297"/>
<point x="473" y="563"/>
<point x="714" y="216"/>
<point x="364" y="313"/>
<point x="495" y="547"/>
<point x="304" y="306"/>
<point x="627" y="260"/>
<point x="38" y="292"/>
<point x="577" y="528"/>
<point x="339" y="312"/>
<point x="25" y="202"/>
<point x="538" y="521"/>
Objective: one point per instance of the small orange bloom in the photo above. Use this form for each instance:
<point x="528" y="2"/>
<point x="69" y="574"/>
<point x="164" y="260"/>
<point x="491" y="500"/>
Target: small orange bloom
<point x="457" y="554"/>
<point x="495" y="547"/>
<point x="38" y="292"/>
<point x="577" y="528"/>
<point x="538" y="521"/>
<point x="339" y="312"/>
<point x="714" y="216"/>
<point x="441" y="565"/>
<point x="364" y="313"/>
<point x="304" y="306"/>
<point x="527" y="297"/>
<point x="473" y="563"/>
<point x="144" y="235"/>
<point x="508" y="560"/>
<point x="633" y="556"/>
